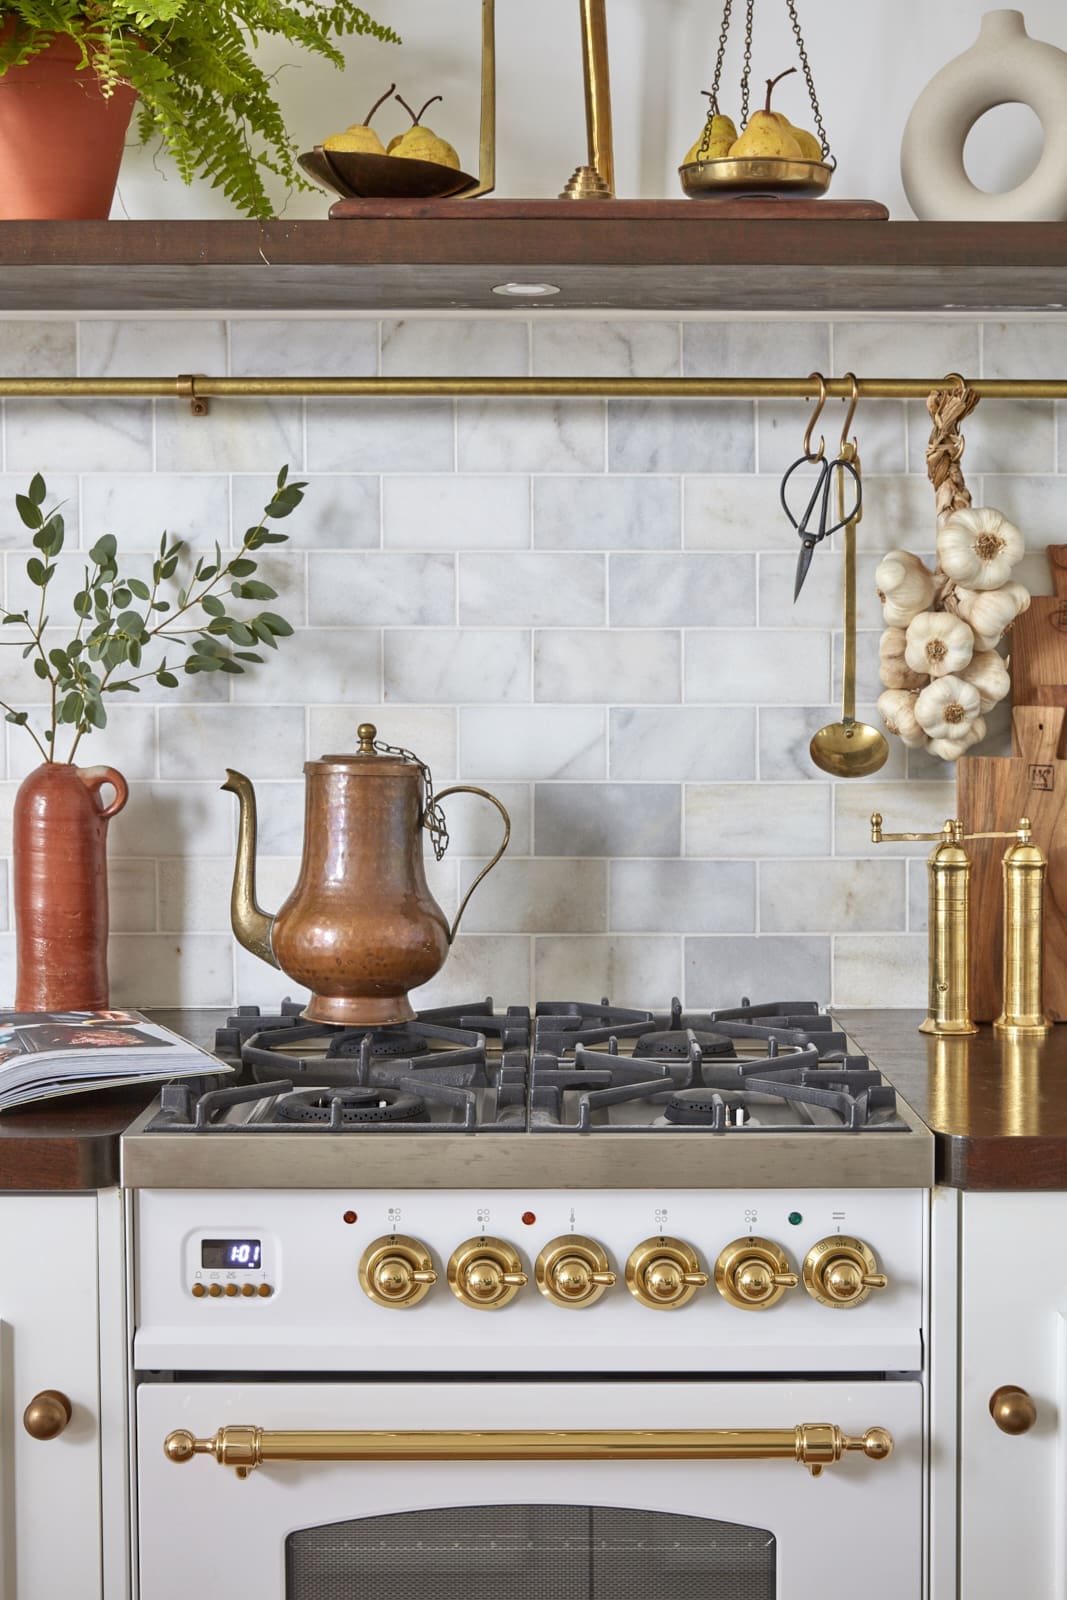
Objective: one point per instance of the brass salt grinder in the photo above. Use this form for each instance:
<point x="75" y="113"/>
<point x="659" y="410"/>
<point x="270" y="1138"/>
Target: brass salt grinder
<point x="949" y="870"/>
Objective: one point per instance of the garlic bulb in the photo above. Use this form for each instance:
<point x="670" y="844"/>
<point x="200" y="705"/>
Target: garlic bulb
<point x="947" y="707"/>
<point x="979" y="547"/>
<point x="989" y="674"/>
<point x="896" y="707"/>
<point x="990" y="611"/>
<point x="892" y="667"/>
<point x="905" y="587"/>
<point x="952" y="749"/>
<point x="938" y="643"/>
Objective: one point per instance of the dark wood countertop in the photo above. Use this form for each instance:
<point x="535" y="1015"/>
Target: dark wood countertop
<point x="997" y="1107"/>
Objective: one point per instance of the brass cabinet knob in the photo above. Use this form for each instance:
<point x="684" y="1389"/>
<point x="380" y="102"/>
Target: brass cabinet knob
<point x="485" y="1273"/>
<point x="841" y="1272"/>
<point x="573" y="1271"/>
<point x="396" y="1271"/>
<point x="754" y="1273"/>
<point x="1012" y="1409"/>
<point x="47" y="1414"/>
<point x="664" y="1273"/>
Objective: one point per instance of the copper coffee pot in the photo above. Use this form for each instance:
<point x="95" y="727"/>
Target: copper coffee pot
<point x="361" y="927"/>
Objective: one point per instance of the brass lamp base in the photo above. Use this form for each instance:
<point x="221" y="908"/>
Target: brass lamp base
<point x="585" y="183"/>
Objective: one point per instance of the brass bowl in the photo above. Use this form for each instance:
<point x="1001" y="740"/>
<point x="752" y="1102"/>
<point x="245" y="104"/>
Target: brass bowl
<point x="755" y="176"/>
<point x="355" y="174"/>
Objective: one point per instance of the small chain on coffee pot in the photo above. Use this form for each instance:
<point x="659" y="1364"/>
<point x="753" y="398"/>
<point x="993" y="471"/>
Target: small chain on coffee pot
<point x="433" y="818"/>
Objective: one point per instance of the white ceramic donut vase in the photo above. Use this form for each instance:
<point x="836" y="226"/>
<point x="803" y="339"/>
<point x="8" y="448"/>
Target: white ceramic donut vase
<point x="1004" y="64"/>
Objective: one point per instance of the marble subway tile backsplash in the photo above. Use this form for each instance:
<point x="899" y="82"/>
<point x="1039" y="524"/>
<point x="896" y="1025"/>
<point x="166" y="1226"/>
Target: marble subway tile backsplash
<point x="585" y="606"/>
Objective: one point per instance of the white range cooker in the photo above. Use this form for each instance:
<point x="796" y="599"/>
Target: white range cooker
<point x="585" y="1303"/>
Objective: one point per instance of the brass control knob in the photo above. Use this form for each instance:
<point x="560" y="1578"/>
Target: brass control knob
<point x="754" y="1273"/>
<point x="1012" y="1409"/>
<point x="396" y="1271"/>
<point x="485" y="1273"/>
<point x="664" y="1273"/>
<point x="573" y="1271"/>
<point x="47" y="1414"/>
<point x="841" y="1272"/>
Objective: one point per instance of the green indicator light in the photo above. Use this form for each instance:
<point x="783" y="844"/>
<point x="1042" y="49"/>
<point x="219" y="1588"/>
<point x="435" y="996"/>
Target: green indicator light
<point x="795" y="1218"/>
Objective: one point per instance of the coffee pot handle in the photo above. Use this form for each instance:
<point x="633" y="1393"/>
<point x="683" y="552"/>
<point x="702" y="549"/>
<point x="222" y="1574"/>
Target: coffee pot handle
<point x="466" y="788"/>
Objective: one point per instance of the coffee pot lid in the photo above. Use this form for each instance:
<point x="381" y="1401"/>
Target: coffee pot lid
<point x="373" y="754"/>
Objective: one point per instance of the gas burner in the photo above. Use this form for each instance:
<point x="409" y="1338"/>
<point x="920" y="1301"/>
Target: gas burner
<point x="705" y="1108"/>
<point x="328" y="1107"/>
<point x="385" y="1043"/>
<point x="677" y="1043"/>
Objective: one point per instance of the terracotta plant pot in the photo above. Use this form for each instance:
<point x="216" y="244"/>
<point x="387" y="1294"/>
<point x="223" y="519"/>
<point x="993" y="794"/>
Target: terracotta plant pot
<point x="61" y="141"/>
<point x="59" y="852"/>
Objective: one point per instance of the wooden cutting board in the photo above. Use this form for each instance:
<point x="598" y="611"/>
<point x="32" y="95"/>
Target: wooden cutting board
<point x="992" y="793"/>
<point x="1038" y="643"/>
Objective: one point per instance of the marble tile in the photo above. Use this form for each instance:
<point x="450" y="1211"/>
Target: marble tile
<point x="480" y="965"/>
<point x="258" y="984"/>
<point x="128" y="743"/>
<point x="545" y="895"/>
<point x="785" y="736"/>
<point x="605" y="349"/>
<point x="757" y="819"/>
<point x="682" y="743"/>
<point x="378" y="435"/>
<point x="727" y="349"/>
<point x="719" y="971"/>
<point x="306" y="347"/>
<point x="530" y="435"/>
<point x="280" y="816"/>
<point x="678" y="591"/>
<point x="756" y="665"/>
<point x="918" y="897"/>
<point x="898" y="512"/>
<point x="639" y="668"/>
<point x="680" y="436"/>
<point x="441" y="513"/>
<point x="905" y="808"/>
<point x="457" y="346"/>
<point x="531" y="742"/>
<point x="780" y="429"/>
<point x="131" y="895"/>
<point x="139" y="507"/>
<point x="195" y="894"/>
<point x="900" y="349"/>
<point x="170" y="969"/>
<point x="1001" y="435"/>
<point x="383" y="587"/>
<point x="63" y="495"/>
<point x="474" y="826"/>
<point x="626" y="970"/>
<point x="607" y="819"/>
<point x="133" y="347"/>
<point x="732" y="513"/>
<point x="530" y="590"/>
<point x="240" y="436"/>
<point x="202" y="741"/>
<point x="338" y="512"/>
<point x="469" y="665"/>
<point x="1037" y="349"/>
<point x="30" y="349"/>
<point x="831" y="896"/>
<point x="429" y="732"/>
<point x="78" y="436"/>
<point x="880" y="969"/>
<point x="174" y="819"/>
<point x="606" y="513"/>
<point x="7" y="970"/>
<point x="690" y="896"/>
<point x="316" y="666"/>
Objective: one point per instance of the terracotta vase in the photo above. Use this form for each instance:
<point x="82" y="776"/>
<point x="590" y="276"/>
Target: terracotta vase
<point x="61" y="141"/>
<point x="59" y="855"/>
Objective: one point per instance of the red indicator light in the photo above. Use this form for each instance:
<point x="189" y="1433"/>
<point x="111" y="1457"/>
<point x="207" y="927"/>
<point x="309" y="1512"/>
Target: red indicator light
<point x="350" y="1216"/>
<point x="529" y="1218"/>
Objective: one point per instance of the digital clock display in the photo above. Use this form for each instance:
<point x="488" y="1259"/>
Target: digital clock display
<point x="242" y="1255"/>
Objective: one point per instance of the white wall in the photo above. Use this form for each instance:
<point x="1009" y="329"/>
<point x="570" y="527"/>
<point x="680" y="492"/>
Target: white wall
<point x="870" y="59"/>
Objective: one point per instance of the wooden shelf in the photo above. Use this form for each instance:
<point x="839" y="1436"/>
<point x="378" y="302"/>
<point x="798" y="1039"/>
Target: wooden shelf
<point x="605" y="256"/>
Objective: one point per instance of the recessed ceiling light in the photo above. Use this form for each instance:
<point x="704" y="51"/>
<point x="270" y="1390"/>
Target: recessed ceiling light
<point x="524" y="290"/>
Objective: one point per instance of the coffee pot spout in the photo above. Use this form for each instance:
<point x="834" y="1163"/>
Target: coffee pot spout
<point x="251" y="924"/>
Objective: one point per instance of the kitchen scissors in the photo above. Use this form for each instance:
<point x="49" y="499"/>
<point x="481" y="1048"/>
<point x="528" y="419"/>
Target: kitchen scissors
<point x="814" y="524"/>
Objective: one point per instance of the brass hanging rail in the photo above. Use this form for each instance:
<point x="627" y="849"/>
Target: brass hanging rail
<point x="197" y="387"/>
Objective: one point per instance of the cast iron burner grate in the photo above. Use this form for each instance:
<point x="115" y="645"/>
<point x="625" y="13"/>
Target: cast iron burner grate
<point x="385" y="1043"/>
<point x="677" y="1043"/>
<point x="349" y="1106"/>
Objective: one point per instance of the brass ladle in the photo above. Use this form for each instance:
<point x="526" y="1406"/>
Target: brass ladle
<point x="849" y="749"/>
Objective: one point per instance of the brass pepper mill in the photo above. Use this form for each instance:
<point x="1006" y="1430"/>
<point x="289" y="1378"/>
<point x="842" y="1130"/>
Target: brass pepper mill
<point x="1024" y="867"/>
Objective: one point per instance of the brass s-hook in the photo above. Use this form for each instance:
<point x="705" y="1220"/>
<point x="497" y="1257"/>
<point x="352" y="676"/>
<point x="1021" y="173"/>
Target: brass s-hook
<point x="816" y="455"/>
<point x="845" y="451"/>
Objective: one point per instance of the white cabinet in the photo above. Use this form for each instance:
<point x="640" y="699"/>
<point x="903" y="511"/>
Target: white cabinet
<point x="50" y="1490"/>
<point x="1013" y="1331"/>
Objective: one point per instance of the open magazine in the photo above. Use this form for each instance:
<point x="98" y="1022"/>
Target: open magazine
<point x="48" y="1053"/>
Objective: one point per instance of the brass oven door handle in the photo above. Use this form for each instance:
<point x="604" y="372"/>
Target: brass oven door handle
<point x="466" y="788"/>
<point x="813" y="1444"/>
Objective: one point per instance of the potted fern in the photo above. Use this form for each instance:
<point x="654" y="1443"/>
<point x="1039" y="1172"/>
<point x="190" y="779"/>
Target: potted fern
<point x="72" y="71"/>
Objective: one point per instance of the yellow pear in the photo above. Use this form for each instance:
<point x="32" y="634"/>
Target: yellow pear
<point x="720" y="136"/>
<point x="422" y="144"/>
<point x="360" y="136"/>
<point x="810" y="148"/>
<point x="765" y="138"/>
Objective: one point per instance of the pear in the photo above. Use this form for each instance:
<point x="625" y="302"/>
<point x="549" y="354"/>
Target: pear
<point x="765" y="138"/>
<point x="422" y="144"/>
<point x="720" y="136"/>
<point x="360" y="136"/>
<point x="810" y="148"/>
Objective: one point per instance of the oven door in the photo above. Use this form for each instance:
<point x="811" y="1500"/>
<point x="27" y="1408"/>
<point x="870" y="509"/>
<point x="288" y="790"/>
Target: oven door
<point x="573" y="1490"/>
